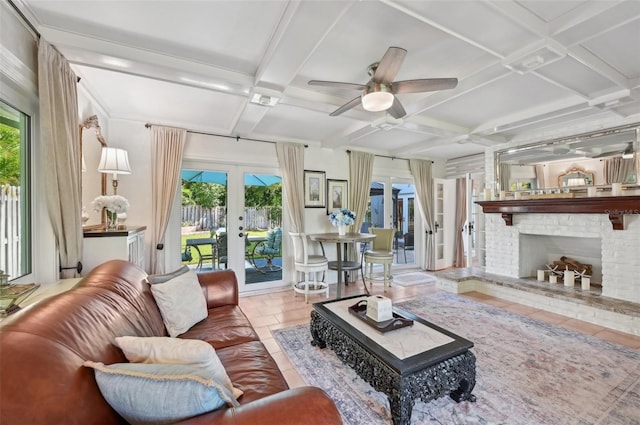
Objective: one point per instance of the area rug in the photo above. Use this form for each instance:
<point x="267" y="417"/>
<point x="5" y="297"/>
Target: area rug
<point x="528" y="372"/>
<point x="413" y="278"/>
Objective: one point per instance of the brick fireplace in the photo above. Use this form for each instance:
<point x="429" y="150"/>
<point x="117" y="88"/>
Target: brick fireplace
<point x="517" y="248"/>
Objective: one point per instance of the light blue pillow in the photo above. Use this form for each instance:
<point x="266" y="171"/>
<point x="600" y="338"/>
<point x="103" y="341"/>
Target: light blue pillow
<point x="158" y="394"/>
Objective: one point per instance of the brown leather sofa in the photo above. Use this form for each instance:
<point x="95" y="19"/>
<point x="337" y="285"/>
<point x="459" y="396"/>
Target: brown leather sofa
<point x="42" y="349"/>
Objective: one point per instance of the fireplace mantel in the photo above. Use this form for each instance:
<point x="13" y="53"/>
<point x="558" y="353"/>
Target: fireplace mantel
<point x="614" y="206"/>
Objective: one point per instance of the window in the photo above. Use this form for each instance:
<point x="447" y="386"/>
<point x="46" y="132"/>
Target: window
<point x="15" y="189"/>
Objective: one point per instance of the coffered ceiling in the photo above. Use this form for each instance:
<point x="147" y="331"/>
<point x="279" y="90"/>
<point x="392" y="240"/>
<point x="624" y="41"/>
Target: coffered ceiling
<point x="524" y="68"/>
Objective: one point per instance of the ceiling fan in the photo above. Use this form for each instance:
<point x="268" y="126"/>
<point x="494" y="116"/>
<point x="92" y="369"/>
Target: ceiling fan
<point x="379" y="93"/>
<point x="627" y="153"/>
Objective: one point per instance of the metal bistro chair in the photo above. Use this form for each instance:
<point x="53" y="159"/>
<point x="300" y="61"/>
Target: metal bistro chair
<point x="269" y="248"/>
<point x="381" y="252"/>
<point x="221" y="254"/>
<point x="308" y="265"/>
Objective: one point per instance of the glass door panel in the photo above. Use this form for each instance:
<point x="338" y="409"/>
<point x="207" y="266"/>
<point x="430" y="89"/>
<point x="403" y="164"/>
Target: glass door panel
<point x="263" y="229"/>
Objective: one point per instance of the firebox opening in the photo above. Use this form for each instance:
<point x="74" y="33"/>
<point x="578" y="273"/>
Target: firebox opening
<point x="538" y="250"/>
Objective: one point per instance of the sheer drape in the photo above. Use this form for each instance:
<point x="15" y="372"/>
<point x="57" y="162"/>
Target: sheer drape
<point x="291" y="160"/>
<point x="423" y="181"/>
<point x="539" y="169"/>
<point x="461" y="218"/>
<point x="618" y="170"/>
<point x="360" y="174"/>
<point x="59" y="132"/>
<point x="167" y="147"/>
<point x="505" y="176"/>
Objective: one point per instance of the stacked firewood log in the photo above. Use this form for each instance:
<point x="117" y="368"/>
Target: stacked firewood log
<point x="569" y="263"/>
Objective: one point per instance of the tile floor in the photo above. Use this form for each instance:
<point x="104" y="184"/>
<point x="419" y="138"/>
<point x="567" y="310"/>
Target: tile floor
<point x="282" y="309"/>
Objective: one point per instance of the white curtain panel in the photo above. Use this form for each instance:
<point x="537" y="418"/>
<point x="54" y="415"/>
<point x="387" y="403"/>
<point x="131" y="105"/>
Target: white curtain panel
<point x="617" y="170"/>
<point x="60" y="133"/>
<point x="461" y="218"/>
<point x="291" y="160"/>
<point x="167" y="148"/>
<point x="423" y="181"/>
<point x="360" y="174"/>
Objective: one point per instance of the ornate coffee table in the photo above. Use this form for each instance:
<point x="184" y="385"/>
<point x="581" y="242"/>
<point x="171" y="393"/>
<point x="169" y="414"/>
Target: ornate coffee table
<point x="421" y="362"/>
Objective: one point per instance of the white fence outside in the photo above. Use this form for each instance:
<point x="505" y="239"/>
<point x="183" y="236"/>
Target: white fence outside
<point x="10" y="230"/>
<point x="214" y="218"/>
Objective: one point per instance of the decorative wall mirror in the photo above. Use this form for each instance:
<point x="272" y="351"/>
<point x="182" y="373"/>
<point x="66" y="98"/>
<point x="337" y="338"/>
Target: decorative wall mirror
<point x="547" y="164"/>
<point x="94" y="183"/>
<point x="575" y="177"/>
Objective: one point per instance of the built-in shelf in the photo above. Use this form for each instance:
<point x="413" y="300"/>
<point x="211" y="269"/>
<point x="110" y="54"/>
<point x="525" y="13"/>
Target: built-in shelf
<point x="616" y="207"/>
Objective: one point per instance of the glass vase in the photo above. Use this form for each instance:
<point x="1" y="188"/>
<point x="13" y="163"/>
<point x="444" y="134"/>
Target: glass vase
<point x="112" y="221"/>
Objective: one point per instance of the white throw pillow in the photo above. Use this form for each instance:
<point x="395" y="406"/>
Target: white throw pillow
<point x="176" y="351"/>
<point x="181" y="302"/>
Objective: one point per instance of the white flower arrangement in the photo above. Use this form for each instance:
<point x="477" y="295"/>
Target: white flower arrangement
<point x="342" y="217"/>
<point x="112" y="203"/>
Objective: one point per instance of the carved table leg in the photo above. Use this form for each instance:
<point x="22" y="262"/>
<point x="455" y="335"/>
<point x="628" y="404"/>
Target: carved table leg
<point x="401" y="408"/>
<point x="315" y="327"/>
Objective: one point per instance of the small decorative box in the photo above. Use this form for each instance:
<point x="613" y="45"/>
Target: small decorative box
<point x="379" y="308"/>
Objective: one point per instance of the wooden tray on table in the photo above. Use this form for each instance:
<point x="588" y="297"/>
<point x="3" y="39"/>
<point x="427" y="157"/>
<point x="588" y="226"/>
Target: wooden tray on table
<point x="360" y="311"/>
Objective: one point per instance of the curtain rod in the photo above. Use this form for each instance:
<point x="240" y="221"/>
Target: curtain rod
<point x="390" y="157"/>
<point x="237" y="138"/>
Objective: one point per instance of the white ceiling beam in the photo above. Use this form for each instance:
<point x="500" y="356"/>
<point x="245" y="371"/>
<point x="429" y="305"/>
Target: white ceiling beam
<point x="521" y="15"/>
<point x="581" y="13"/>
<point x="590" y="60"/>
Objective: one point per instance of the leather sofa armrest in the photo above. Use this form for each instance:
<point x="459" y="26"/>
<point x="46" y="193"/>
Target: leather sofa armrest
<point x="297" y="406"/>
<point x="220" y="287"/>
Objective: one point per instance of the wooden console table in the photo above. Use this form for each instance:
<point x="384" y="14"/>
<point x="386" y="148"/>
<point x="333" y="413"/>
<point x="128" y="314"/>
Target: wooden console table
<point x="614" y="206"/>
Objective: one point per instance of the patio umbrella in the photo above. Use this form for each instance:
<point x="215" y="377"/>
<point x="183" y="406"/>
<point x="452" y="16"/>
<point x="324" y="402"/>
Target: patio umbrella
<point x="221" y="178"/>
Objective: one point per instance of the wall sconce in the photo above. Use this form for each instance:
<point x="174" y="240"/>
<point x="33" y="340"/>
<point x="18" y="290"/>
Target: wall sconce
<point x="114" y="161"/>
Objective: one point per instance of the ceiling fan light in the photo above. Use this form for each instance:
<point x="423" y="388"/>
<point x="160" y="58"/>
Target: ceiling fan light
<point x="378" y="100"/>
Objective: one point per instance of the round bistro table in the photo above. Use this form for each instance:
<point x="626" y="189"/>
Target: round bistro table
<point x="341" y="240"/>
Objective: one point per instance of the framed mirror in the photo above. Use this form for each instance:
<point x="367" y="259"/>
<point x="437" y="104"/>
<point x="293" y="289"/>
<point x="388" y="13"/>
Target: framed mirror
<point x="549" y="164"/>
<point x="94" y="183"/>
<point x="575" y="177"/>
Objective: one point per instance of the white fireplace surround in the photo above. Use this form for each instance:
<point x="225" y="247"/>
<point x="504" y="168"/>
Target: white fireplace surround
<point x="618" y="262"/>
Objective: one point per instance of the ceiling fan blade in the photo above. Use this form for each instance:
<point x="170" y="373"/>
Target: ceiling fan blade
<point x="352" y="103"/>
<point x="427" y="84"/>
<point x="389" y="65"/>
<point x="338" y="85"/>
<point x="396" y="110"/>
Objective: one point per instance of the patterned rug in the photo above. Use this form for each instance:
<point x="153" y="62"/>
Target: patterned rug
<point x="528" y="372"/>
<point x="413" y="278"/>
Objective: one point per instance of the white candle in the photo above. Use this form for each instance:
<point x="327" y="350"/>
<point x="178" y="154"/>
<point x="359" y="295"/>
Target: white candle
<point x="517" y="195"/>
<point x="503" y="195"/>
<point x="592" y="191"/>
<point x="569" y="278"/>
<point x="541" y="275"/>
<point x="616" y="189"/>
<point x="585" y="283"/>
<point x="487" y="194"/>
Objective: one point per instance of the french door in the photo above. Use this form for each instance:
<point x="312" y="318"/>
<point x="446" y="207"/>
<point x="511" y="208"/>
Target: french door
<point x="392" y="205"/>
<point x="236" y="223"/>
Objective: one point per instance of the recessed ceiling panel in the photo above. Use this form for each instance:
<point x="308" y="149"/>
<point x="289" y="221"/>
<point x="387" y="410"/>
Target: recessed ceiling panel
<point x="550" y="10"/>
<point x="227" y="34"/>
<point x="159" y="102"/>
<point x="576" y="76"/>
<point x="476" y="21"/>
<point x="609" y="48"/>
<point x="284" y="122"/>
<point x="505" y="96"/>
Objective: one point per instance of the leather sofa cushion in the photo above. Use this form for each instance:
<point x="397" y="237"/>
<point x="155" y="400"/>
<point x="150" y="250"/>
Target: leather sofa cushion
<point x="252" y="370"/>
<point x="224" y="326"/>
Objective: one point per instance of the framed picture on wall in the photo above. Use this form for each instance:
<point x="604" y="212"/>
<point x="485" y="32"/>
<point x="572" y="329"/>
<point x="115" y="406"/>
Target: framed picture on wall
<point x="337" y="195"/>
<point x="314" y="185"/>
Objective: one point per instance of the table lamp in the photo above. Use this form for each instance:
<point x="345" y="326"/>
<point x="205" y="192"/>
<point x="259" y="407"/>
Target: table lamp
<point x="114" y="161"/>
